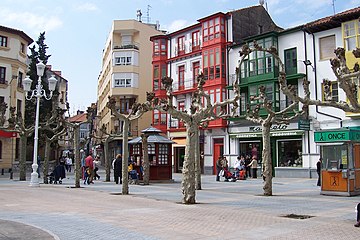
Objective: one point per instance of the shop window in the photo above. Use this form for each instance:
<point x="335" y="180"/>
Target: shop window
<point x="289" y="153"/>
<point x="250" y="149"/>
<point x="327" y="46"/>
<point x="335" y="157"/>
<point x="151" y="153"/>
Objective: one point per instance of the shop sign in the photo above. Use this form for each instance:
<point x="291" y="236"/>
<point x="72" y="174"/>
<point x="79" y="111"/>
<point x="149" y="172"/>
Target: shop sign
<point x="273" y="128"/>
<point x="336" y="136"/>
<point x="304" y="124"/>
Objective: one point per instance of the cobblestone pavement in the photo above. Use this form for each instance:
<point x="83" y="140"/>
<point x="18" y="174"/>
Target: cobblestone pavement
<point x="224" y="210"/>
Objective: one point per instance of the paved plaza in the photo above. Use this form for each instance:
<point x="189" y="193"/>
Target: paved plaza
<point x="224" y="210"/>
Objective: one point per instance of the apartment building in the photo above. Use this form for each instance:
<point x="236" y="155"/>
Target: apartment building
<point x="305" y="50"/>
<point x="202" y="47"/>
<point x="126" y="76"/>
<point x="13" y="67"/>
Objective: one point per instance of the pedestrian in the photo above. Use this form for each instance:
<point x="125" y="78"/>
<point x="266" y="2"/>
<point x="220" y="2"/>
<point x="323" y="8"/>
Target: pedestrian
<point x="38" y="163"/>
<point x="82" y="155"/>
<point x="357" y="215"/>
<point x="89" y="164"/>
<point x="318" y="170"/>
<point x="253" y="165"/>
<point x="96" y="167"/>
<point x="68" y="163"/>
<point x="118" y="169"/>
<point x="247" y="167"/>
<point x="219" y="164"/>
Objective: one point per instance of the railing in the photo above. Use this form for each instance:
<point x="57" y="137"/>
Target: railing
<point x="128" y="45"/>
<point x="187" y="84"/>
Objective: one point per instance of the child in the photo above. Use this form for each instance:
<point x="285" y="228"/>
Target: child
<point x="87" y="176"/>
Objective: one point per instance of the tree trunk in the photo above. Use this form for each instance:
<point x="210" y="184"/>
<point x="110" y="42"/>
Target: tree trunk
<point x="146" y="163"/>
<point x="46" y="160"/>
<point x="22" y="161"/>
<point x="266" y="159"/>
<point x="107" y="160"/>
<point x="77" y="158"/>
<point x="125" y="179"/>
<point x="197" y="161"/>
<point x="188" y="181"/>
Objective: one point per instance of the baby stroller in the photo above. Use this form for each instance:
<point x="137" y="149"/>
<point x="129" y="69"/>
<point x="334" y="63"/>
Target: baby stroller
<point x="57" y="175"/>
<point x="133" y="177"/>
<point x="229" y="176"/>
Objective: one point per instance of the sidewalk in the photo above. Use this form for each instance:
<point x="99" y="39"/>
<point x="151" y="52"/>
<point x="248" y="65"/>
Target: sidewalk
<point x="224" y="210"/>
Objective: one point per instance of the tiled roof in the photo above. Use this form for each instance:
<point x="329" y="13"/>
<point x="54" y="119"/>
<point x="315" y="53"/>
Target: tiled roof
<point x="18" y="32"/>
<point x="78" y="118"/>
<point x="333" y="21"/>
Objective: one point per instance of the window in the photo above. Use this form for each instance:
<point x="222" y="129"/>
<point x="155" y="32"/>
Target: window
<point x="289" y="153"/>
<point x="156" y="117"/>
<point x="196" y="71"/>
<point x="3" y="41"/>
<point x="156" y="77"/>
<point x="351" y="34"/>
<point x="136" y="149"/>
<point x="2" y="75"/>
<point x="123" y="82"/>
<point x="20" y="78"/>
<point x="327" y="46"/>
<point x="213" y="29"/>
<point x="181" y="45"/>
<point x="181" y="77"/>
<point x="163" y="154"/>
<point x="18" y="106"/>
<point x="126" y="104"/>
<point x="213" y="64"/>
<point x="123" y="61"/>
<point x="22" y="47"/>
<point x="159" y="47"/>
<point x="196" y="40"/>
<point x="151" y="148"/>
<point x="290" y="61"/>
<point x="163" y="119"/>
<point x="332" y="88"/>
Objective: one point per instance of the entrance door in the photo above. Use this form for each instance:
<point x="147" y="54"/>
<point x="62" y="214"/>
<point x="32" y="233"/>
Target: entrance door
<point x="218" y="147"/>
<point x="179" y="158"/>
<point x="357" y="166"/>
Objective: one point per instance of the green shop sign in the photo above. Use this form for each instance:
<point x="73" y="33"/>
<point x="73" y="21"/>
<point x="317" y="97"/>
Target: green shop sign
<point x="342" y="135"/>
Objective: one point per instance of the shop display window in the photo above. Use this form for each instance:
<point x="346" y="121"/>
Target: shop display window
<point x="289" y="153"/>
<point x="335" y="157"/>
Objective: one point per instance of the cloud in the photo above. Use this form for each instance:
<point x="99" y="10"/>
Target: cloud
<point x="177" y="25"/>
<point x="30" y="21"/>
<point x="86" y="7"/>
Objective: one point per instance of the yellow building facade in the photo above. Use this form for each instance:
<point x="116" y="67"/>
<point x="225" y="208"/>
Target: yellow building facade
<point x="126" y="75"/>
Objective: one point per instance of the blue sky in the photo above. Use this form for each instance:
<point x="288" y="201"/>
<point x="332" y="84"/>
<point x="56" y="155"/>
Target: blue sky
<point x="76" y="30"/>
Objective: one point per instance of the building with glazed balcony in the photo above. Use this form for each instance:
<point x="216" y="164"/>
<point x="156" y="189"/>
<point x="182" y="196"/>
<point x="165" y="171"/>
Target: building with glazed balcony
<point x="203" y="47"/>
<point x="126" y="76"/>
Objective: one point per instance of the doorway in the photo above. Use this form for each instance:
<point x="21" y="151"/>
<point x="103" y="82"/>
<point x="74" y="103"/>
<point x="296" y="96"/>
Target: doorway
<point x="179" y="158"/>
<point x="218" y="146"/>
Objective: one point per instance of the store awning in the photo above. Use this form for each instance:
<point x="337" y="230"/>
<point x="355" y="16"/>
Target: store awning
<point x="6" y="134"/>
<point x="272" y="134"/>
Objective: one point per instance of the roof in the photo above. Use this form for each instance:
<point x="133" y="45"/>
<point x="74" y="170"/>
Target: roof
<point x="17" y="32"/>
<point x="151" y="130"/>
<point x="152" y="139"/>
<point x="332" y="21"/>
<point x="78" y="118"/>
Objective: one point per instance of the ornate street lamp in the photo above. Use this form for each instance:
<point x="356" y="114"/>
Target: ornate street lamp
<point x="38" y="92"/>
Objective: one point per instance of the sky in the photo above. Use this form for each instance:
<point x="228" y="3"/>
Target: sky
<point x="76" y="30"/>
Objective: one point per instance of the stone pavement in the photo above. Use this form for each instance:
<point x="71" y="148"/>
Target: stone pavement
<point x="224" y="210"/>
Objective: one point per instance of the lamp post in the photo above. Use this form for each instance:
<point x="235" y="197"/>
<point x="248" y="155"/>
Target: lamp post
<point x="38" y="92"/>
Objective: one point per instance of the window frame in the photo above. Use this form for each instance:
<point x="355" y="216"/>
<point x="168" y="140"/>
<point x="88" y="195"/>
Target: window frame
<point x="2" y="75"/>
<point x="327" y="52"/>
<point x="3" y="41"/>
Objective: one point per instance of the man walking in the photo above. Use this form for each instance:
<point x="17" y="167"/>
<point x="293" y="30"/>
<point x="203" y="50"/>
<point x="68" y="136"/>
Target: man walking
<point x="318" y="170"/>
<point x="89" y="164"/>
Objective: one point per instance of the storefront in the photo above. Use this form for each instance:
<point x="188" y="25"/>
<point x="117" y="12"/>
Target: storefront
<point x="286" y="145"/>
<point x="340" y="151"/>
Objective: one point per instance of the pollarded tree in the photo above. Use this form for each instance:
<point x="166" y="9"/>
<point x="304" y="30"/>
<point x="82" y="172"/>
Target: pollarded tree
<point x="202" y="110"/>
<point x="137" y="110"/>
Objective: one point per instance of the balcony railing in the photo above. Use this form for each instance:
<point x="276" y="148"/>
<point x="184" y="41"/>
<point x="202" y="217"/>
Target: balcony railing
<point x="187" y="84"/>
<point x="128" y="45"/>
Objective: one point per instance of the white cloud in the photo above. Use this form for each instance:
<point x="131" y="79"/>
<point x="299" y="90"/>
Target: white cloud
<point x="87" y="7"/>
<point x="177" y="25"/>
<point x="30" y="21"/>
